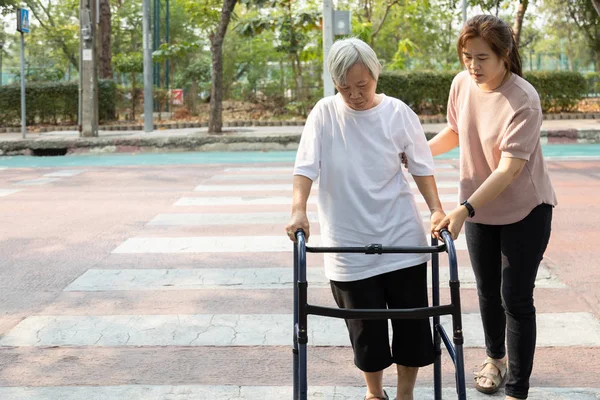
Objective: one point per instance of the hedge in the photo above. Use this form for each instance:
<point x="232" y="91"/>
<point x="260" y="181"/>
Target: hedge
<point x="427" y="92"/>
<point x="53" y="102"/>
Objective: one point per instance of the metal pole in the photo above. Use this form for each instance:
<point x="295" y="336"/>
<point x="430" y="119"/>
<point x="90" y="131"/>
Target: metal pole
<point x="328" y="88"/>
<point x="23" y="120"/>
<point x="464" y="11"/>
<point x="89" y="73"/>
<point x="148" y="98"/>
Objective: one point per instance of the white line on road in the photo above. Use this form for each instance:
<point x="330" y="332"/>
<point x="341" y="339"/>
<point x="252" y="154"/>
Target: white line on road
<point x="271" y="200"/>
<point x="225" y="244"/>
<point x="267" y="218"/>
<point x="199" y="219"/>
<point x="231" y="392"/>
<point x="453" y="173"/>
<point x="6" y="192"/>
<point x="95" y="280"/>
<point x="287" y="187"/>
<point x="65" y="173"/>
<point x="554" y="329"/>
<point x="37" y="181"/>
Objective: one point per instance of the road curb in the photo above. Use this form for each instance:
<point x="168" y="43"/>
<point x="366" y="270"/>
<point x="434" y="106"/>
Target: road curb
<point x="203" y="142"/>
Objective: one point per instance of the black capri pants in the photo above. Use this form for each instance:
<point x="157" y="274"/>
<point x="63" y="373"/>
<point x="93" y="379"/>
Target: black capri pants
<point x="412" y="343"/>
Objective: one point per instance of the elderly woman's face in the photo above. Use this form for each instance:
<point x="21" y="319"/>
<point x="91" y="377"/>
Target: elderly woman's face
<point x="359" y="90"/>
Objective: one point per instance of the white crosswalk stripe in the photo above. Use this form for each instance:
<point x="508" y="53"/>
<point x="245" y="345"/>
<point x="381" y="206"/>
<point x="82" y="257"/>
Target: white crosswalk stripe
<point x="251" y="330"/>
<point x="239" y="278"/>
<point x="269" y="200"/>
<point x="7" y="192"/>
<point x="220" y="244"/>
<point x="195" y="392"/>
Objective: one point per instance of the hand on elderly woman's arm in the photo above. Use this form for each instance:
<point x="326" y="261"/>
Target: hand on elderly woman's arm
<point x="299" y="219"/>
<point x="428" y="189"/>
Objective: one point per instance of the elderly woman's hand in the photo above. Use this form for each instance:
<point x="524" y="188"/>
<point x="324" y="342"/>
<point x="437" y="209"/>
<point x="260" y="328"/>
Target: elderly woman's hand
<point x="299" y="220"/>
<point x="437" y="217"/>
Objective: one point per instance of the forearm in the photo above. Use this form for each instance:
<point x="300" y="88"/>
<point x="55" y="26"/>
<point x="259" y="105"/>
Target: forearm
<point x="302" y="186"/>
<point x="443" y="142"/>
<point x="428" y="189"/>
<point x="497" y="182"/>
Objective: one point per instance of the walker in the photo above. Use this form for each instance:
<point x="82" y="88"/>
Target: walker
<point x="302" y="309"/>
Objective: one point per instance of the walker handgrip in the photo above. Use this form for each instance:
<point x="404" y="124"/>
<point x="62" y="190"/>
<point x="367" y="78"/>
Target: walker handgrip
<point x="445" y="233"/>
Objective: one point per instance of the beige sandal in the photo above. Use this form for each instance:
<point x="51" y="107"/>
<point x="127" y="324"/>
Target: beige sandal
<point x="497" y="379"/>
<point x="385" y="397"/>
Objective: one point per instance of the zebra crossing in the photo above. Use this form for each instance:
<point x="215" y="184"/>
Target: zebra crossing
<point x="231" y="305"/>
<point x="48" y="178"/>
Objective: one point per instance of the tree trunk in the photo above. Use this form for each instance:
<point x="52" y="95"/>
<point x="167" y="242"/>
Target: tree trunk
<point x="193" y="97"/>
<point x="215" y="121"/>
<point x="133" y="96"/>
<point x="521" y="9"/>
<point x="596" y="5"/>
<point x="105" y="57"/>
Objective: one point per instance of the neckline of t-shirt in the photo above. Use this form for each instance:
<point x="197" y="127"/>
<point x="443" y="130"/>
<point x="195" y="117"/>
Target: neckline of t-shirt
<point x="501" y="88"/>
<point x="347" y="108"/>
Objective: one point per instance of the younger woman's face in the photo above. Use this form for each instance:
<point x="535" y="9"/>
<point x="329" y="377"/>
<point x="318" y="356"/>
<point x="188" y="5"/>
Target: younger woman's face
<point x="358" y="91"/>
<point x="486" y="68"/>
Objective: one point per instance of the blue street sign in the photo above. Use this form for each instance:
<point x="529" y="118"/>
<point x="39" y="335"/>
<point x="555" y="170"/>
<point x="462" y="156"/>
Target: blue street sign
<point x="22" y="20"/>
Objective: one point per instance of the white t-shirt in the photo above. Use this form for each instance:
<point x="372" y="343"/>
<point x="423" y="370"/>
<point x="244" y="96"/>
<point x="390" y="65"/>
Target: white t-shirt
<point x="364" y="197"/>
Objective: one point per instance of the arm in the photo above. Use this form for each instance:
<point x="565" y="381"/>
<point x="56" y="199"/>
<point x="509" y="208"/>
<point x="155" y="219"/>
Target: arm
<point x="508" y="170"/>
<point x="299" y="219"/>
<point x="428" y="189"/>
<point x="443" y="142"/>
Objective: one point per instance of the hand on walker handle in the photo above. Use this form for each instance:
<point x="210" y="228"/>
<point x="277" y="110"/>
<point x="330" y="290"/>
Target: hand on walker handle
<point x="453" y="221"/>
<point x="299" y="220"/>
<point x="436" y="218"/>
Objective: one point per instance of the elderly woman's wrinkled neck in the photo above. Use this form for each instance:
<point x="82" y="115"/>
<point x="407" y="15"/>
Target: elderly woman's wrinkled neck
<point x="358" y="90"/>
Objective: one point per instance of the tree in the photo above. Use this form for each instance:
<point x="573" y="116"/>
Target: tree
<point x="132" y="64"/>
<point x="105" y="32"/>
<point x="207" y="17"/>
<point x="518" y="25"/>
<point x="596" y="5"/>
<point x="56" y="19"/>
<point x="584" y="14"/>
<point x="7" y="5"/>
<point x="372" y="22"/>
<point x="215" y="120"/>
<point x="291" y="27"/>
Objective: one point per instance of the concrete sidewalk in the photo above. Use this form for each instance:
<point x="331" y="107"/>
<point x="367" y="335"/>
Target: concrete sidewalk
<point x="255" y="138"/>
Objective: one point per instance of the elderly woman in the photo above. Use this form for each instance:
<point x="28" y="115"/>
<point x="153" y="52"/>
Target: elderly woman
<point x="352" y="142"/>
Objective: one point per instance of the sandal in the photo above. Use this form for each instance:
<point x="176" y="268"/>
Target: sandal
<point x="385" y="397"/>
<point x="497" y="379"/>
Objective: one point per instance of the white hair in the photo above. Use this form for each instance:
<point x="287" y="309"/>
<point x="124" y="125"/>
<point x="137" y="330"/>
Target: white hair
<point x="347" y="52"/>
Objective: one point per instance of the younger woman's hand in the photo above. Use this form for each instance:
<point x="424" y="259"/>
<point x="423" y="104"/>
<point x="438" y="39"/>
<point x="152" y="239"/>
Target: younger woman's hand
<point x="453" y="221"/>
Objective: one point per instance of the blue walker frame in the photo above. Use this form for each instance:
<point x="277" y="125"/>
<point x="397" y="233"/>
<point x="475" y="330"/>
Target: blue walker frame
<point x="302" y="309"/>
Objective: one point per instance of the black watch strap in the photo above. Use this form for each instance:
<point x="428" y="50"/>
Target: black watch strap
<point x="469" y="208"/>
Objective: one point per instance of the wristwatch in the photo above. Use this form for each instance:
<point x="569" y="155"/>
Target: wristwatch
<point x="469" y="208"/>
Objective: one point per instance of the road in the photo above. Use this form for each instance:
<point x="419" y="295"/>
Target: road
<point x="149" y="279"/>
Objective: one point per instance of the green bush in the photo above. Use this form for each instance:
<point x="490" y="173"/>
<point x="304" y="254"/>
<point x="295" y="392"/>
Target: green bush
<point x="424" y="92"/>
<point x="559" y="91"/>
<point x="427" y="92"/>
<point x="50" y="103"/>
<point x="593" y="84"/>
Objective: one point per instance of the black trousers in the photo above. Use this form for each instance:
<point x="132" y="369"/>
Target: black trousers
<point x="412" y="344"/>
<point x="505" y="259"/>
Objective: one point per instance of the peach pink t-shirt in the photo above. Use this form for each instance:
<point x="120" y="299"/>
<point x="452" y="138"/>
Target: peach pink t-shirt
<point x="505" y="122"/>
